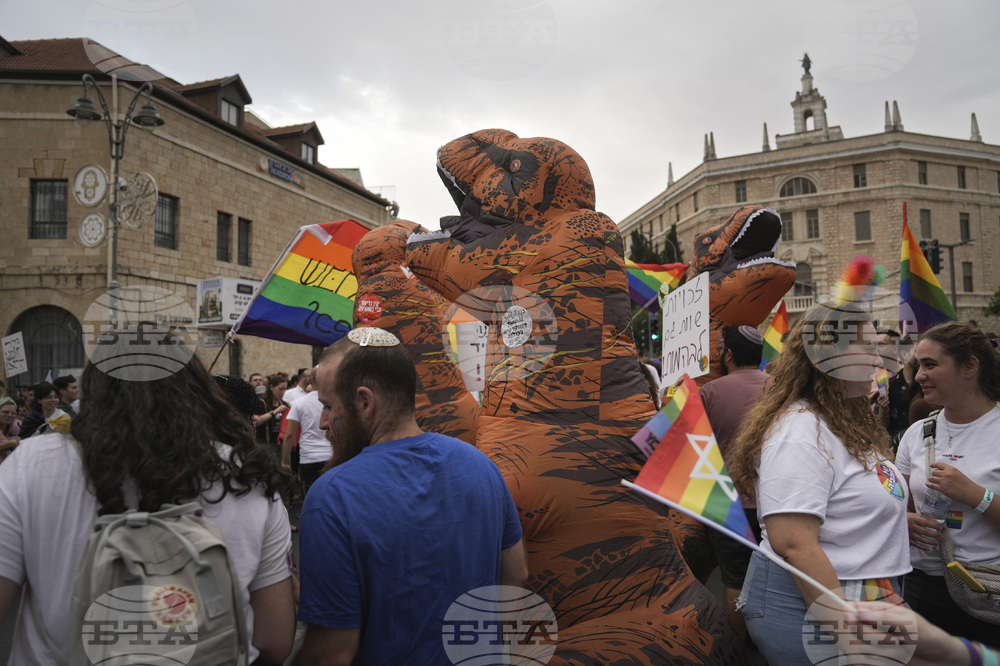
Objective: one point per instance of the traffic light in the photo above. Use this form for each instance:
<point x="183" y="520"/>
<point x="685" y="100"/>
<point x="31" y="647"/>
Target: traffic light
<point x="932" y="253"/>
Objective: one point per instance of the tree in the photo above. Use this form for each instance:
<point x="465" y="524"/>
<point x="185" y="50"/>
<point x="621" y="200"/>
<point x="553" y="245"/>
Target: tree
<point x="993" y="308"/>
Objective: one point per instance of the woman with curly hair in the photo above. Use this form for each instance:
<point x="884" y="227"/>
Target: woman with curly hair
<point x="268" y="423"/>
<point x="958" y="370"/>
<point x="139" y="445"/>
<point x="815" y="458"/>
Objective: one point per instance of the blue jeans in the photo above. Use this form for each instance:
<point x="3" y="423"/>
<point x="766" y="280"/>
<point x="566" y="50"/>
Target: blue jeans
<point x="777" y="619"/>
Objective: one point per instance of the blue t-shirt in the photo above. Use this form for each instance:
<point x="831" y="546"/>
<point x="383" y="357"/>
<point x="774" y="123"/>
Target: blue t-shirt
<point x="391" y="538"/>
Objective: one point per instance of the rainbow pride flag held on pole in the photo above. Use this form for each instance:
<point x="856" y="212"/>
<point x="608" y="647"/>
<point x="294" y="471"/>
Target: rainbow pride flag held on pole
<point x="922" y="301"/>
<point x="685" y="469"/>
<point x="772" y="338"/>
<point x="308" y="295"/>
<point x="644" y="281"/>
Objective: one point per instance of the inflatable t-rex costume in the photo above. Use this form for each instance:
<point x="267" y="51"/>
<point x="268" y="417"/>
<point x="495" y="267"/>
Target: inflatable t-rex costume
<point x="745" y="279"/>
<point x="391" y="298"/>
<point x="564" y="393"/>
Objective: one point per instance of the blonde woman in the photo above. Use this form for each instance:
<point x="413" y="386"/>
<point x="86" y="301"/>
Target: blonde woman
<point x="815" y="458"/>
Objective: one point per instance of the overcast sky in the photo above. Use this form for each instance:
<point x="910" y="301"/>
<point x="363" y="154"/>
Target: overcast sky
<point x="632" y="85"/>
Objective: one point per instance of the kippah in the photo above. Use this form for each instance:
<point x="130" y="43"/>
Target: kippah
<point x="751" y="334"/>
<point x="373" y="337"/>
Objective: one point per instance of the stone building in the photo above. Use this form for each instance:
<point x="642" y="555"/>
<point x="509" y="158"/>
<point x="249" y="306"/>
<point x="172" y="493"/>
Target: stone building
<point x="230" y="193"/>
<point x="840" y="197"/>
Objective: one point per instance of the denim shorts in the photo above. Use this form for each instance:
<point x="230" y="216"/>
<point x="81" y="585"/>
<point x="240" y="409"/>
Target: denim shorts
<point x="778" y="620"/>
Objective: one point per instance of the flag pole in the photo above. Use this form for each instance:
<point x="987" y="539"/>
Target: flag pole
<point x="824" y="591"/>
<point x="227" y="339"/>
<point x="648" y="303"/>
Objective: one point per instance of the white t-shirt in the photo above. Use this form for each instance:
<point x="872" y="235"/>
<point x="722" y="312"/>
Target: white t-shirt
<point x="975" y="451"/>
<point x="804" y="468"/>
<point x="313" y="445"/>
<point x="293" y="394"/>
<point x="47" y="514"/>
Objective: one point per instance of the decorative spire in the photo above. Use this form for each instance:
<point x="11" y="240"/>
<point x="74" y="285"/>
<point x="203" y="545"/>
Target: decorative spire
<point x="888" y="118"/>
<point x="706" y="157"/>
<point x="976" y="136"/>
<point x="767" y="143"/>
<point x="670" y="174"/>
<point x="897" y="124"/>
<point x="711" y="145"/>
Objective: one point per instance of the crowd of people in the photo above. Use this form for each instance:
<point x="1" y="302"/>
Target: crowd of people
<point x="398" y="523"/>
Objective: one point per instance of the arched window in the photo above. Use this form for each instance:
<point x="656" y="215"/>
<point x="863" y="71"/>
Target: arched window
<point x="797" y="186"/>
<point x="803" y="280"/>
<point x="53" y="342"/>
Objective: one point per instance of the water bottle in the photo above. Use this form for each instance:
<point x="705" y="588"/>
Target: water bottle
<point x="935" y="506"/>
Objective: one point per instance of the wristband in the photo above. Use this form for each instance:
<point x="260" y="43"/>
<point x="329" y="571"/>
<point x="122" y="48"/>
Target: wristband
<point x="987" y="500"/>
<point x="975" y="657"/>
<point x="989" y="655"/>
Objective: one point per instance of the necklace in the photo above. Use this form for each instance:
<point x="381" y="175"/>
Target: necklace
<point x="952" y="434"/>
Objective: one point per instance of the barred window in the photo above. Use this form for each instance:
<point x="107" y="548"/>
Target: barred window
<point x="243" y="242"/>
<point x="224" y="237"/>
<point x="860" y="175"/>
<point x="165" y="234"/>
<point x="797" y="186"/>
<point x="812" y="223"/>
<point x="48" y="208"/>
<point x="741" y="191"/>
<point x="925" y="223"/>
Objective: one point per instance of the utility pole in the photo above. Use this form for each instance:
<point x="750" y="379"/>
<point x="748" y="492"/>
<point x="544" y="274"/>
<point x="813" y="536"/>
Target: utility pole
<point x="951" y="267"/>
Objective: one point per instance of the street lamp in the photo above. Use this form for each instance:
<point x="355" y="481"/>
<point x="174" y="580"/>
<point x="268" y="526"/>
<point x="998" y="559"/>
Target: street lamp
<point x="148" y="119"/>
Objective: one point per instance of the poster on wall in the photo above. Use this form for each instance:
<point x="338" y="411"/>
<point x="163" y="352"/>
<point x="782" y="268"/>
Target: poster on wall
<point x="685" y="330"/>
<point x="222" y="300"/>
<point x="15" y="361"/>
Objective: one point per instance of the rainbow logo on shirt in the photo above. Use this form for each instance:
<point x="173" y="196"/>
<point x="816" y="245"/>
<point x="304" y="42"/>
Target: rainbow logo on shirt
<point x="954" y="519"/>
<point x="890" y="480"/>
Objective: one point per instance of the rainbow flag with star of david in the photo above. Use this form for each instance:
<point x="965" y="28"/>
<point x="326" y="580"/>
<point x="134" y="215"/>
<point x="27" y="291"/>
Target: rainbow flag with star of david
<point x="772" y="338"/>
<point x="645" y="281"/>
<point x="685" y="469"/>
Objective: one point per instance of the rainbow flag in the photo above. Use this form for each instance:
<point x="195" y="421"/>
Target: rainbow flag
<point x="772" y="338"/>
<point x="922" y="301"/>
<point x="308" y="295"/>
<point x="645" y="280"/>
<point x="882" y="381"/>
<point x="685" y="469"/>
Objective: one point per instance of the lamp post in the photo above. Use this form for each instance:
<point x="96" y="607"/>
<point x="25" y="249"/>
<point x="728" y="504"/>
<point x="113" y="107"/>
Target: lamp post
<point x="148" y="119"/>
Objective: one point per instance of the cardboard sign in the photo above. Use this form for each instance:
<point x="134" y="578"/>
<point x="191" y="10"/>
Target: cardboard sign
<point x="685" y="330"/>
<point x="14" y="359"/>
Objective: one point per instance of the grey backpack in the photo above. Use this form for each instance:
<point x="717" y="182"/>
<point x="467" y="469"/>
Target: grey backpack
<point x="155" y="588"/>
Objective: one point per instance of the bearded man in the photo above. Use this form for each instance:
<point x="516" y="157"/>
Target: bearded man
<point x="403" y="523"/>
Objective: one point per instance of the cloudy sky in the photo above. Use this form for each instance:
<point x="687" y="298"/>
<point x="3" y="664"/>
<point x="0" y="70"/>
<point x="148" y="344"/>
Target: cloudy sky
<point x="632" y="85"/>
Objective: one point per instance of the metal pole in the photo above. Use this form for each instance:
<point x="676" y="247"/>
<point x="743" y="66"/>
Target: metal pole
<point x="951" y="268"/>
<point x="113" y="245"/>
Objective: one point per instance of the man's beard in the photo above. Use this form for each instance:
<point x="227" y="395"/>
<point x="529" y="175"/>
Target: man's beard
<point x="348" y="438"/>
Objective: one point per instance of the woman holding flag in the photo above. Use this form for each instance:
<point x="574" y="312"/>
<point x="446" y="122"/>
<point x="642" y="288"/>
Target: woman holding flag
<point x="830" y="502"/>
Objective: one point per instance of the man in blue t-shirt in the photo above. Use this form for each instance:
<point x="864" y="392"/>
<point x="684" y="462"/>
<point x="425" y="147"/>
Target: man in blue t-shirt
<point x="402" y="525"/>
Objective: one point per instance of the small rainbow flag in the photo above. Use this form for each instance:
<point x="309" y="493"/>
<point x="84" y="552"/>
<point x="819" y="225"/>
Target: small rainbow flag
<point x="882" y="381"/>
<point x="308" y="295"/>
<point x="685" y="469"/>
<point x="922" y="301"/>
<point x="645" y="280"/>
<point x="772" y="338"/>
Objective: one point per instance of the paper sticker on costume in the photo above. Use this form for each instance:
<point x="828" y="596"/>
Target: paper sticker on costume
<point x="889" y="479"/>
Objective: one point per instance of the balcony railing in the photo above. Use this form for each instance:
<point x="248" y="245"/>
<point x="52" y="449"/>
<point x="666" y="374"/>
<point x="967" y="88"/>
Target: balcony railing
<point x="799" y="303"/>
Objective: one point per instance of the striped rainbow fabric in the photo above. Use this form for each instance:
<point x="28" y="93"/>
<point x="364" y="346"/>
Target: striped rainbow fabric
<point x="644" y="281"/>
<point x="685" y="469"/>
<point x="772" y="338"/>
<point x="308" y="296"/>
<point x="922" y="301"/>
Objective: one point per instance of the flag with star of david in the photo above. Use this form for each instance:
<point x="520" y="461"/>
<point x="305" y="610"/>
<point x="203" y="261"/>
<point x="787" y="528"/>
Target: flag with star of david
<point x="685" y="469"/>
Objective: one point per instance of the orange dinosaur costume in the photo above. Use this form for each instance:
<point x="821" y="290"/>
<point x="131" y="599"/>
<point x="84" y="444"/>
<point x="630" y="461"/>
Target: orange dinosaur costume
<point x="564" y="393"/>
<point x="391" y="298"/>
<point x="745" y="280"/>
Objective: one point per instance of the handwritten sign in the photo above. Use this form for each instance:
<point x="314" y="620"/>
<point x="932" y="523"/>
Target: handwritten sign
<point x="685" y="330"/>
<point x="469" y="345"/>
<point x="14" y="359"/>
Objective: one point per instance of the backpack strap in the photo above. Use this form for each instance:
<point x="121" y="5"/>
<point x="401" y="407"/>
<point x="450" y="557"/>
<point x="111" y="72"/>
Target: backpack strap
<point x="930" y="435"/>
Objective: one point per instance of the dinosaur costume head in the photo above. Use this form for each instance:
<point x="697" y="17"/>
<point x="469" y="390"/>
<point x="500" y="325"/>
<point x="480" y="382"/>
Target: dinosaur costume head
<point x="745" y="279"/>
<point x="497" y="178"/>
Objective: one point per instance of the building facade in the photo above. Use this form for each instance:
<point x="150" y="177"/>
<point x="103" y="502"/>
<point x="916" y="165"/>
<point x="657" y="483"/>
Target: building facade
<point x="229" y="194"/>
<point x="840" y="197"/>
